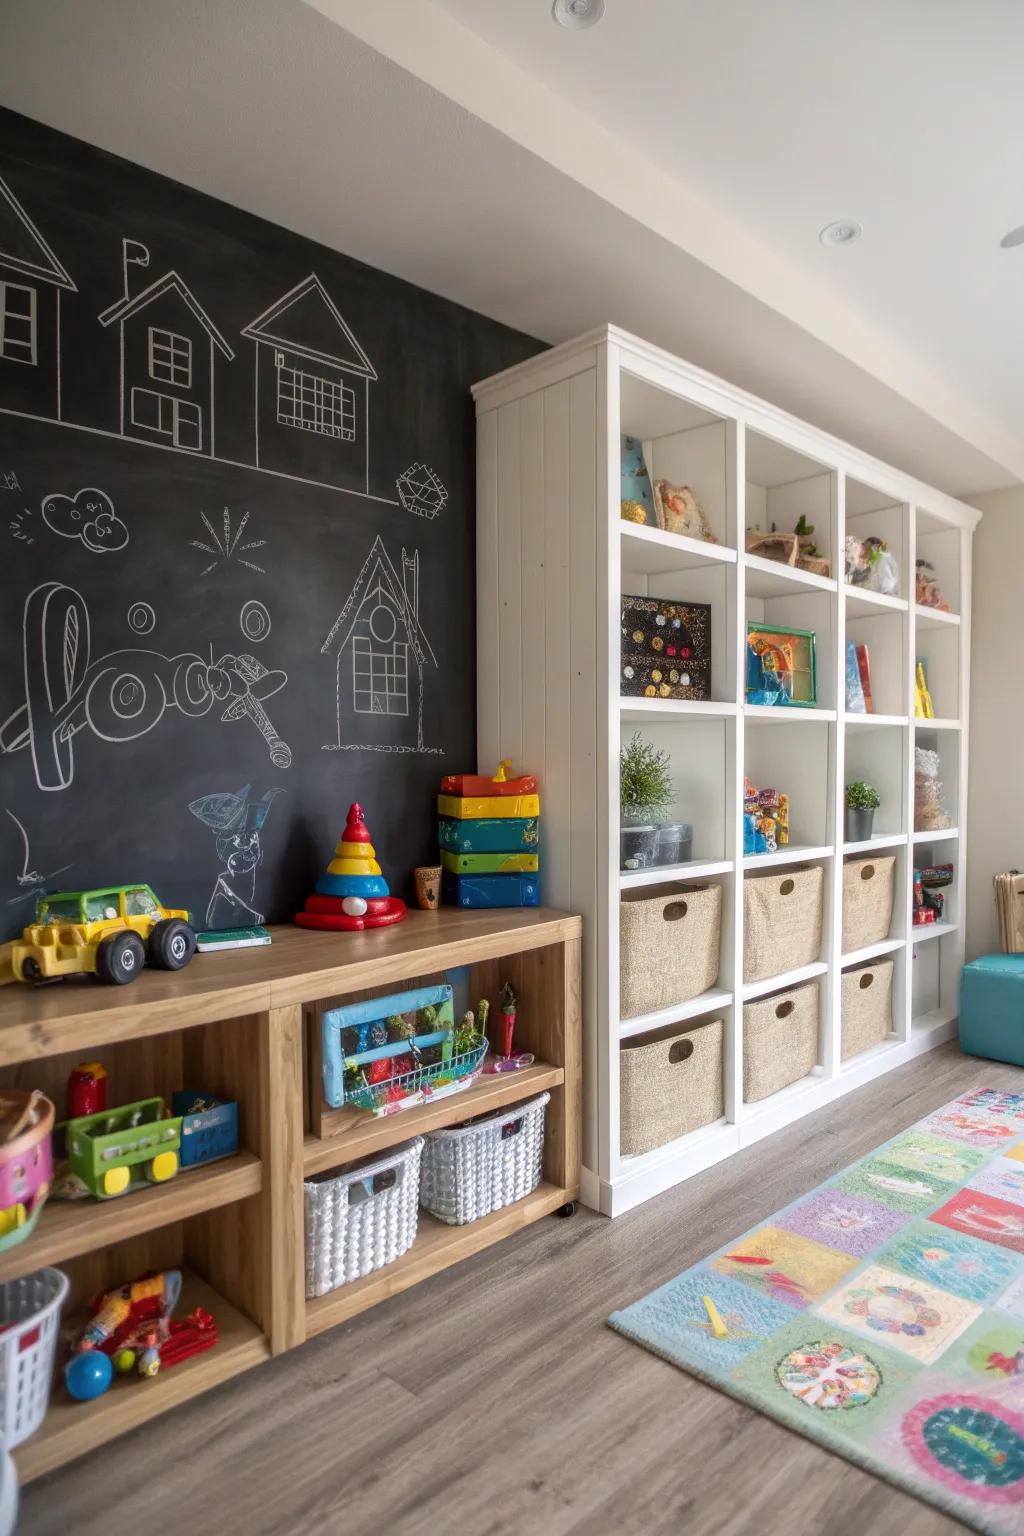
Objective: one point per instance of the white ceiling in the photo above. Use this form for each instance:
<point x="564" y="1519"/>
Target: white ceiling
<point x="421" y="149"/>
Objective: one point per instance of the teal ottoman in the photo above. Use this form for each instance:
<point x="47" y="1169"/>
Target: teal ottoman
<point x="992" y="1008"/>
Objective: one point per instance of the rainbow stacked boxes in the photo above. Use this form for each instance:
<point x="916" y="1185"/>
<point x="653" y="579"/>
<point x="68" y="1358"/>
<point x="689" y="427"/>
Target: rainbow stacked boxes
<point x="489" y="834"/>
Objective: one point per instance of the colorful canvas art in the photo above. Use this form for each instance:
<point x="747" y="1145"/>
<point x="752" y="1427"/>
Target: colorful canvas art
<point x="883" y="1313"/>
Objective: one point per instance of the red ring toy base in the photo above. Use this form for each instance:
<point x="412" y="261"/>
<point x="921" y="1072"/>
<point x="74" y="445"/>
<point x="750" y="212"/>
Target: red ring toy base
<point x="343" y="924"/>
<point x="334" y="906"/>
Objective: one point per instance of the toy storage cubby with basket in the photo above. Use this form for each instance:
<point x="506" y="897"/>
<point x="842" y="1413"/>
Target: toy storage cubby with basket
<point x="556" y="561"/>
<point x="243" y="1031"/>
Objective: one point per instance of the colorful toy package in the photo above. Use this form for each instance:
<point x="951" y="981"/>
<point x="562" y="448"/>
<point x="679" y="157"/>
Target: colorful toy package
<point x="765" y="819"/>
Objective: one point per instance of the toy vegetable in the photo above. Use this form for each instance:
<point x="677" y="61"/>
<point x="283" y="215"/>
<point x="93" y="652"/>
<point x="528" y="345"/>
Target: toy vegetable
<point x="508" y="1017"/>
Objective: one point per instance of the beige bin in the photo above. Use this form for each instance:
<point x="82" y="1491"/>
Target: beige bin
<point x="866" y="1007"/>
<point x="869" y="887"/>
<point x="668" y="946"/>
<point x="782" y="915"/>
<point x="669" y="1085"/>
<point x="780" y="1040"/>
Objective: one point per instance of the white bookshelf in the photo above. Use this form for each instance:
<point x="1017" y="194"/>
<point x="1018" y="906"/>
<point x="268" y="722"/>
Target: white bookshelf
<point x="553" y="561"/>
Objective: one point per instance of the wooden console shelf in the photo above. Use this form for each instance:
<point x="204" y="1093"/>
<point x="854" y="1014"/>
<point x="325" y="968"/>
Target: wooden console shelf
<point x="245" y="1024"/>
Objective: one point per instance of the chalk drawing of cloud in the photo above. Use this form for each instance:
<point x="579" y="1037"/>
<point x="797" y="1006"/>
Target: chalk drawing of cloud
<point x="89" y="516"/>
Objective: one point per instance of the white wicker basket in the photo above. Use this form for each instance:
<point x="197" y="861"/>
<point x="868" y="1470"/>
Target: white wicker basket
<point x="359" y="1221"/>
<point x="29" y="1319"/>
<point x="475" y="1169"/>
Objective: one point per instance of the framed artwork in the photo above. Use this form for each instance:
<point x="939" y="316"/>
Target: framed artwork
<point x="780" y="666"/>
<point x="666" y="649"/>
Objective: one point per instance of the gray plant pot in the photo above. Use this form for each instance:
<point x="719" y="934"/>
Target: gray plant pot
<point x="859" y="824"/>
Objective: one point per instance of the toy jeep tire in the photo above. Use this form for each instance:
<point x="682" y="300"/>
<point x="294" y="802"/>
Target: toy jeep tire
<point x="120" y="958"/>
<point x="171" y="945"/>
<point x="30" y="970"/>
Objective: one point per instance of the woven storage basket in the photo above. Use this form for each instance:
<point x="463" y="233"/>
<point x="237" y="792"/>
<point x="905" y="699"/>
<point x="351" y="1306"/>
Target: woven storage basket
<point x="869" y="887"/>
<point x="30" y="1309"/>
<point x="475" y="1169"/>
<point x="668" y="946"/>
<point x="359" y="1221"/>
<point x="780" y="1040"/>
<point x="866" y="1007"/>
<point x="669" y="1086"/>
<point x="782" y="915"/>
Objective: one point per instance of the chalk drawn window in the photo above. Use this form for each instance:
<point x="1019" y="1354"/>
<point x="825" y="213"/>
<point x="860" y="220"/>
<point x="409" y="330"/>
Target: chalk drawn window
<point x="180" y="420"/>
<point x="380" y="678"/>
<point x="316" y="405"/>
<point x="170" y="358"/>
<point x="17" y="323"/>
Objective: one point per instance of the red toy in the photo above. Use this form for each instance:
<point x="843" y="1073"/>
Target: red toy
<point x="132" y="1325"/>
<point x="353" y="894"/>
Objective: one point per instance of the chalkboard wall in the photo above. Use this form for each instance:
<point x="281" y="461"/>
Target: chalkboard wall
<point x="236" y="524"/>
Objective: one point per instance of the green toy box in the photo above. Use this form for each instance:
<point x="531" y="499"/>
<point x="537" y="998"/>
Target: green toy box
<point x="992" y="1008"/>
<point x="116" y="1149"/>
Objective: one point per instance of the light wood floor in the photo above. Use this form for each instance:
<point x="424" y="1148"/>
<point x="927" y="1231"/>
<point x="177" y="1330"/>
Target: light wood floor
<point x="493" y="1399"/>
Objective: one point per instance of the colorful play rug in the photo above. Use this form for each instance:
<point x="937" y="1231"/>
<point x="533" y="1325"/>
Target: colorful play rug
<point x="882" y="1314"/>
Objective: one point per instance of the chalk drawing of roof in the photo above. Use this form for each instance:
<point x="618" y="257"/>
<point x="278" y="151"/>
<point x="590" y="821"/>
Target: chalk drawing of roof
<point x="125" y="308"/>
<point x="296" y="322"/>
<point x="23" y="247"/>
<point x="378" y="574"/>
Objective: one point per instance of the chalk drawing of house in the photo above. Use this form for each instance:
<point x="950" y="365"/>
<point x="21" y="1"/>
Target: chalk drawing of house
<point x="381" y="658"/>
<point x="168" y="348"/>
<point x="312" y="381"/>
<point x="31" y="283"/>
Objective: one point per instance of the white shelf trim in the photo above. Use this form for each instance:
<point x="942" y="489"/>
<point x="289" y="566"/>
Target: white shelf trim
<point x="785" y="714"/>
<point x="879" y="841"/>
<point x="852" y="718"/>
<point x="793" y="854"/>
<point x="933" y="618"/>
<point x="664" y="874"/>
<point x="653" y="551"/>
<point x="768" y="984"/>
<point x="770" y="578"/>
<point x="925" y="931"/>
<point x="706" y="1002"/>
<point x="945" y="835"/>
<point x="640" y="709"/>
<point x="872" y="952"/>
<point x="859" y="601"/>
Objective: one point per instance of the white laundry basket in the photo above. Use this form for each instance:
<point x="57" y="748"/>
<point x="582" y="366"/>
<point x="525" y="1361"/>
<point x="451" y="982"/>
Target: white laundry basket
<point x="29" y="1320"/>
<point x="475" y="1169"/>
<point x="359" y="1221"/>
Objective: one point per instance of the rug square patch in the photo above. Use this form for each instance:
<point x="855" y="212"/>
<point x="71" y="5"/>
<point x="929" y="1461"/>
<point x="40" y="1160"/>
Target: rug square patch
<point x="952" y="1442"/>
<point x="971" y="1126"/>
<point x="674" y="1322"/>
<point x="824" y="1379"/>
<point x="784" y="1265"/>
<point x="1015" y="1153"/>
<point x="909" y="1314"/>
<point x="989" y="1356"/>
<point x="900" y="1189"/>
<point x="1002" y="1177"/>
<point x="993" y="1102"/>
<point x="922" y="1152"/>
<point x="847" y="1222"/>
<point x="1011" y="1302"/>
<point x="953" y="1261"/>
<point x="984" y="1216"/>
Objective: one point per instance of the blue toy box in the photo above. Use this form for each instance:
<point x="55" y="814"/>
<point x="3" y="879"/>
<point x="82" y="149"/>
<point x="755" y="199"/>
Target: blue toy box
<point x="992" y="1008"/>
<point x="491" y="890"/>
<point x="490" y="834"/>
<point x="208" y="1133"/>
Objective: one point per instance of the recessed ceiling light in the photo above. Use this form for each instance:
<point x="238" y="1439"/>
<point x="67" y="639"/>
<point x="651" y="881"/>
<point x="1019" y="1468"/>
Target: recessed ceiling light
<point x="577" y="14"/>
<point x="1015" y="237"/>
<point x="842" y="232"/>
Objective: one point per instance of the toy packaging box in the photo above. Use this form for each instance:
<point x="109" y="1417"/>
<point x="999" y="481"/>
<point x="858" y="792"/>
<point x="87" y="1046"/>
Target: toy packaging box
<point x="765" y="819"/>
<point x="666" y="649"/>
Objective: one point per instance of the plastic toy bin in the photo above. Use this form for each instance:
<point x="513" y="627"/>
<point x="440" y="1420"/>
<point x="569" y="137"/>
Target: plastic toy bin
<point x="208" y="1133"/>
<point x="30" y="1310"/>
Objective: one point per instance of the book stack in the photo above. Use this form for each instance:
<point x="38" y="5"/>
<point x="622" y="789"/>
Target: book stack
<point x="858" y="680"/>
<point x="489" y="835"/>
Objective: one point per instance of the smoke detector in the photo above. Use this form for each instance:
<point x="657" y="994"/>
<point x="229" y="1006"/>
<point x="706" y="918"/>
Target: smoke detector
<point x="577" y="15"/>
<point x="841" y="232"/>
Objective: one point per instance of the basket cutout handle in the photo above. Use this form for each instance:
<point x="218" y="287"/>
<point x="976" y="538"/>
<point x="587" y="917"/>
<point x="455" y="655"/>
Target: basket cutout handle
<point x="675" y="911"/>
<point x="868" y="871"/>
<point x="784" y="1010"/>
<point x="679" y="1051"/>
<point x="511" y="1128"/>
<point x="787" y="887"/>
<point x="866" y="980"/>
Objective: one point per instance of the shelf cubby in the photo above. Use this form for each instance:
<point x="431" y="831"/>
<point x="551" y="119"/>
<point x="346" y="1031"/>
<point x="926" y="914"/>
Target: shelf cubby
<point x="877" y="755"/>
<point x="883" y="632"/>
<point x="797" y="765"/>
<point x="873" y="514"/>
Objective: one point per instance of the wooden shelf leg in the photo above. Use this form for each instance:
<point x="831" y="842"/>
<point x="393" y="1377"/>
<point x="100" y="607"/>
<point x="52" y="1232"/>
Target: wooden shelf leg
<point x="281" y="1137"/>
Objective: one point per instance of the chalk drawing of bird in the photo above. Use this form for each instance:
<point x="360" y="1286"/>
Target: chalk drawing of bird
<point x="32" y="878"/>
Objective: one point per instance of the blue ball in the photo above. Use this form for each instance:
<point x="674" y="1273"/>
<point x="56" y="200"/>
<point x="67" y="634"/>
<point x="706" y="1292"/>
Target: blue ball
<point x="88" y="1375"/>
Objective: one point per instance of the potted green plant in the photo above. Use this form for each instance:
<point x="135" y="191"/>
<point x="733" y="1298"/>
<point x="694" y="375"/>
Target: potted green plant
<point x="862" y="801"/>
<point x="645" y="794"/>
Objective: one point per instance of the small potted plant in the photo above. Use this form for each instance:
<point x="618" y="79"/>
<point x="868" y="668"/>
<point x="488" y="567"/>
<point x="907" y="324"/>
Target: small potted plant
<point x="645" y="793"/>
<point x="862" y="801"/>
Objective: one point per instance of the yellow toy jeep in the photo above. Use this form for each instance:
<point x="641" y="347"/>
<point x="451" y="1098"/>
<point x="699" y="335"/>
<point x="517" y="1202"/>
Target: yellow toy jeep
<point x="111" y="933"/>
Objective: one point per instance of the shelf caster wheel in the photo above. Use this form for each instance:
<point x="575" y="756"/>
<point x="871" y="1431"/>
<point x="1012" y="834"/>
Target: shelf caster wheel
<point x="568" y="1209"/>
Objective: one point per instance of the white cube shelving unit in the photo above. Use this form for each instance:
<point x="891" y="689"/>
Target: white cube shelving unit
<point x="554" y="559"/>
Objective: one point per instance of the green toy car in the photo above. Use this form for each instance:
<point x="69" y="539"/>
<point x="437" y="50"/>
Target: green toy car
<point x="110" y="933"/>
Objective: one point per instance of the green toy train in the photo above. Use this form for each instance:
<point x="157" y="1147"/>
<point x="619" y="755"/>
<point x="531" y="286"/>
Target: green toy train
<point x="105" y="1148"/>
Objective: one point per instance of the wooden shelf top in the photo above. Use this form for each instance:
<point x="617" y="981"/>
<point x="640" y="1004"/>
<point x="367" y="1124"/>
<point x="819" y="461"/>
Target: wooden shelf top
<point x="73" y="1429"/>
<point x="68" y="1228"/>
<point x="300" y="966"/>
<point x="353" y="1133"/>
<point x="436" y="1247"/>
